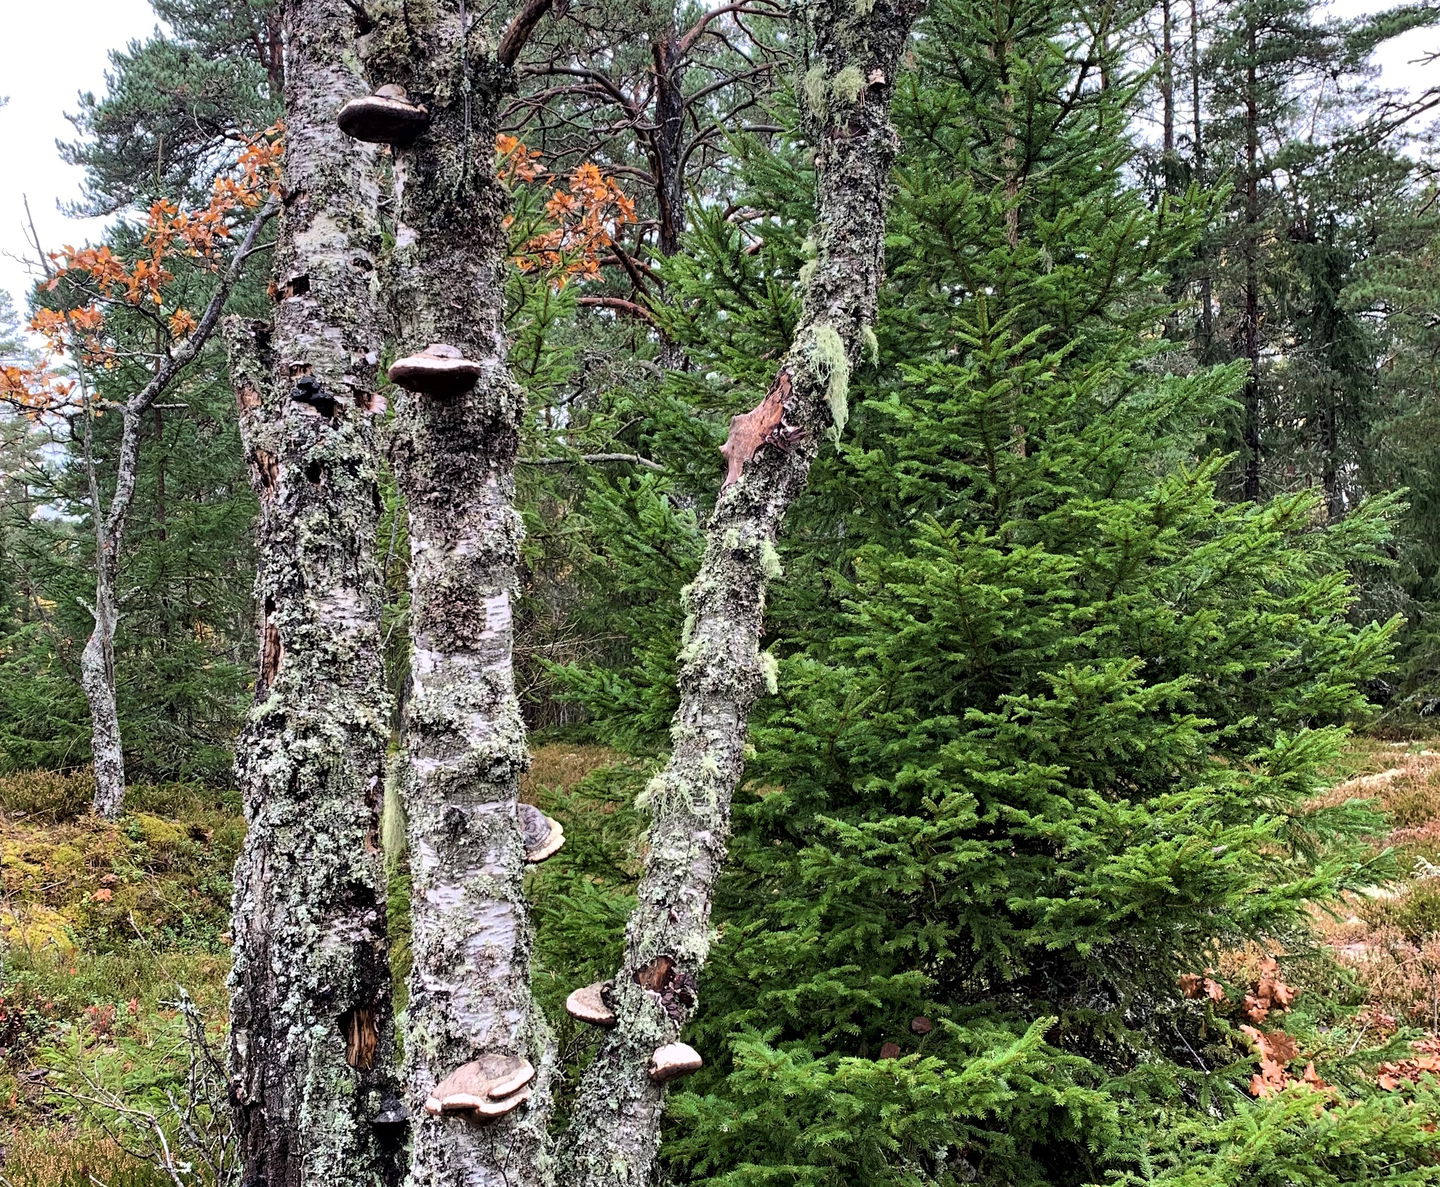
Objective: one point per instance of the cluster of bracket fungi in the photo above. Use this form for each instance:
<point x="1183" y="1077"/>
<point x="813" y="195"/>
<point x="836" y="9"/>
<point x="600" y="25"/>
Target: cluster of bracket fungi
<point x="491" y="1085"/>
<point x="592" y="1004"/>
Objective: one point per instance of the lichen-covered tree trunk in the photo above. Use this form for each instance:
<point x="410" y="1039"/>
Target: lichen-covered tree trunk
<point x="856" y="51"/>
<point x="311" y="1029"/>
<point x="97" y="677"/>
<point x="97" y="660"/>
<point x="454" y="456"/>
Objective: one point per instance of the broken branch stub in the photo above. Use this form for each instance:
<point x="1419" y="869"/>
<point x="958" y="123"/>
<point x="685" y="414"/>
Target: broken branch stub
<point x="762" y="425"/>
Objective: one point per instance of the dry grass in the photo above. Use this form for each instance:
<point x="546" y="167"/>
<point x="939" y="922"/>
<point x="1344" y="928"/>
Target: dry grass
<point x="1389" y="938"/>
<point x="559" y="766"/>
<point x="63" y="1157"/>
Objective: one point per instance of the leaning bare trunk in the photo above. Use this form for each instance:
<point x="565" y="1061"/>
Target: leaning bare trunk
<point x="97" y="676"/>
<point x="454" y="456"/>
<point x="311" y="1028"/>
<point x="615" y="1131"/>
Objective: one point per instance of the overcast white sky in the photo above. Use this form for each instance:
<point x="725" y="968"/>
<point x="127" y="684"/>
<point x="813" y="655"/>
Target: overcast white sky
<point x="51" y="50"/>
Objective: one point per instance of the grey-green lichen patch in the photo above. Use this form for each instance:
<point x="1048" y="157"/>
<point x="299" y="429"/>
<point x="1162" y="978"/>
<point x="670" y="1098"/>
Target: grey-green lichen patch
<point x="770" y="672"/>
<point x="770" y="560"/>
<point x="816" y="90"/>
<point x="827" y="356"/>
<point x="848" y="84"/>
<point x="870" y="344"/>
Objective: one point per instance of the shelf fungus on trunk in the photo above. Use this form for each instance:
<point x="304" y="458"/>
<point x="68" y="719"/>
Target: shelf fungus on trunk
<point x="589" y="1004"/>
<point x="486" y="1087"/>
<point x="674" y="1060"/>
<point x="438" y="370"/>
<point x="544" y="836"/>
<point x="386" y="117"/>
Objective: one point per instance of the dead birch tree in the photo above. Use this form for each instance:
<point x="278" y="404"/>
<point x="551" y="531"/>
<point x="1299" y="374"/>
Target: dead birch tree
<point x="855" y="53"/>
<point x="311" y="1030"/>
<point x="442" y="72"/>
<point x="479" y="1060"/>
<point x="95" y="286"/>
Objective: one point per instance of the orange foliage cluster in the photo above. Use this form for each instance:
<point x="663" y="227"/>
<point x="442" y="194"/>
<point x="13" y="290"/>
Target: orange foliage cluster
<point x="1426" y="1060"/>
<point x="99" y="277"/>
<point x="1276" y="1049"/>
<point x="588" y="209"/>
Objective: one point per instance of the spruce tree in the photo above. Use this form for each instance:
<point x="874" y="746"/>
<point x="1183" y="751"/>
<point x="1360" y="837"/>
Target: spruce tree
<point x="1050" y="712"/>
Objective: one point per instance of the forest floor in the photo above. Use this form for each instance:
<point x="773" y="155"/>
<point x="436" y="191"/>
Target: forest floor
<point x="101" y="925"/>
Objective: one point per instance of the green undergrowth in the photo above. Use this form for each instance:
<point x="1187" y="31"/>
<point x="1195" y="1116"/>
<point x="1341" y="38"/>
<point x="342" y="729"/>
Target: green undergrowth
<point x="103" y="926"/>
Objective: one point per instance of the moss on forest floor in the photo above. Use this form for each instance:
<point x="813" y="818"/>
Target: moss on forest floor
<point x="101" y="927"/>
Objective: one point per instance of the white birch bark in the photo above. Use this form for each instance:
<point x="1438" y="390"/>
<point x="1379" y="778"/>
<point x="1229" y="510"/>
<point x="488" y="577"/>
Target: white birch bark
<point x="311" y="1030"/>
<point x="465" y="746"/>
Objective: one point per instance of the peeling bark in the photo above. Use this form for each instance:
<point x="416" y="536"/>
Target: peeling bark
<point x="455" y="455"/>
<point x="311" y="1026"/>
<point x="856" y="49"/>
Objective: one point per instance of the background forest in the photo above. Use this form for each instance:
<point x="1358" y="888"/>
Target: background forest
<point x="1090" y="825"/>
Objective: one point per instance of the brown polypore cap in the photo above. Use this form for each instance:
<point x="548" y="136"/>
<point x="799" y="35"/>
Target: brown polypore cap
<point x="921" y="1025"/>
<point x="890" y="1051"/>
<point x="588" y="1005"/>
<point x="543" y="836"/>
<point x="438" y="370"/>
<point x="674" y="1060"/>
<point x="489" y="1086"/>
<point x="386" y="117"/>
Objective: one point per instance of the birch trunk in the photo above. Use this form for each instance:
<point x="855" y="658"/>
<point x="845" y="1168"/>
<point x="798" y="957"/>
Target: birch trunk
<point x="856" y="49"/>
<point x="465" y="743"/>
<point x="97" y="660"/>
<point x="311" y="1030"/>
<point x="97" y="677"/>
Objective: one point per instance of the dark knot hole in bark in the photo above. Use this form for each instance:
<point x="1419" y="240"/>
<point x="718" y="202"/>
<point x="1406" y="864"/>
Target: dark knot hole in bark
<point x="362" y="1037"/>
<point x="673" y="986"/>
<point x="272" y="648"/>
<point x="315" y="473"/>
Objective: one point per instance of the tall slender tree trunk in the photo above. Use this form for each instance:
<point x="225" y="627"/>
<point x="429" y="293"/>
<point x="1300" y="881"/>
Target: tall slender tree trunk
<point x="97" y="660"/>
<point x="454" y="456"/>
<point x="1250" y="324"/>
<point x="1197" y="128"/>
<point x="97" y="677"/>
<point x="311" y="1030"/>
<point x="616" y="1122"/>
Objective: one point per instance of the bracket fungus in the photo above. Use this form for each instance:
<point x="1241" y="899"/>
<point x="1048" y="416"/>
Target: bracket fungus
<point x="588" y="1004"/>
<point x="438" y="370"/>
<point x="386" y="117"/>
<point x="674" y="1060"/>
<point x="486" y="1087"/>
<point x="543" y="836"/>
